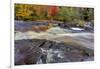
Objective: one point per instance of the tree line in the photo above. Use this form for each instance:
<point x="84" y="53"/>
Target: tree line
<point x="30" y="12"/>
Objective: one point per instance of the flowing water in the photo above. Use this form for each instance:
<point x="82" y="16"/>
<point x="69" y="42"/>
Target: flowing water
<point x="55" y="53"/>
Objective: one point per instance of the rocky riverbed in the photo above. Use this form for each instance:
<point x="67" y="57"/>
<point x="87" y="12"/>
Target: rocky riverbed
<point x="43" y="51"/>
<point x="54" y="45"/>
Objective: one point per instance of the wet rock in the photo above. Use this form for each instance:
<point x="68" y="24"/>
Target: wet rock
<point x="26" y="52"/>
<point x="41" y="51"/>
<point x="47" y="44"/>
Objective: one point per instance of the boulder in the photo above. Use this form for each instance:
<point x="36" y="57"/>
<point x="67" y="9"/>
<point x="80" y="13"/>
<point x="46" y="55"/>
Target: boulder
<point x="41" y="51"/>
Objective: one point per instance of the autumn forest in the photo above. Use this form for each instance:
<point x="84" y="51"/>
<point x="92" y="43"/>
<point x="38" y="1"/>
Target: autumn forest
<point x="29" y="12"/>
